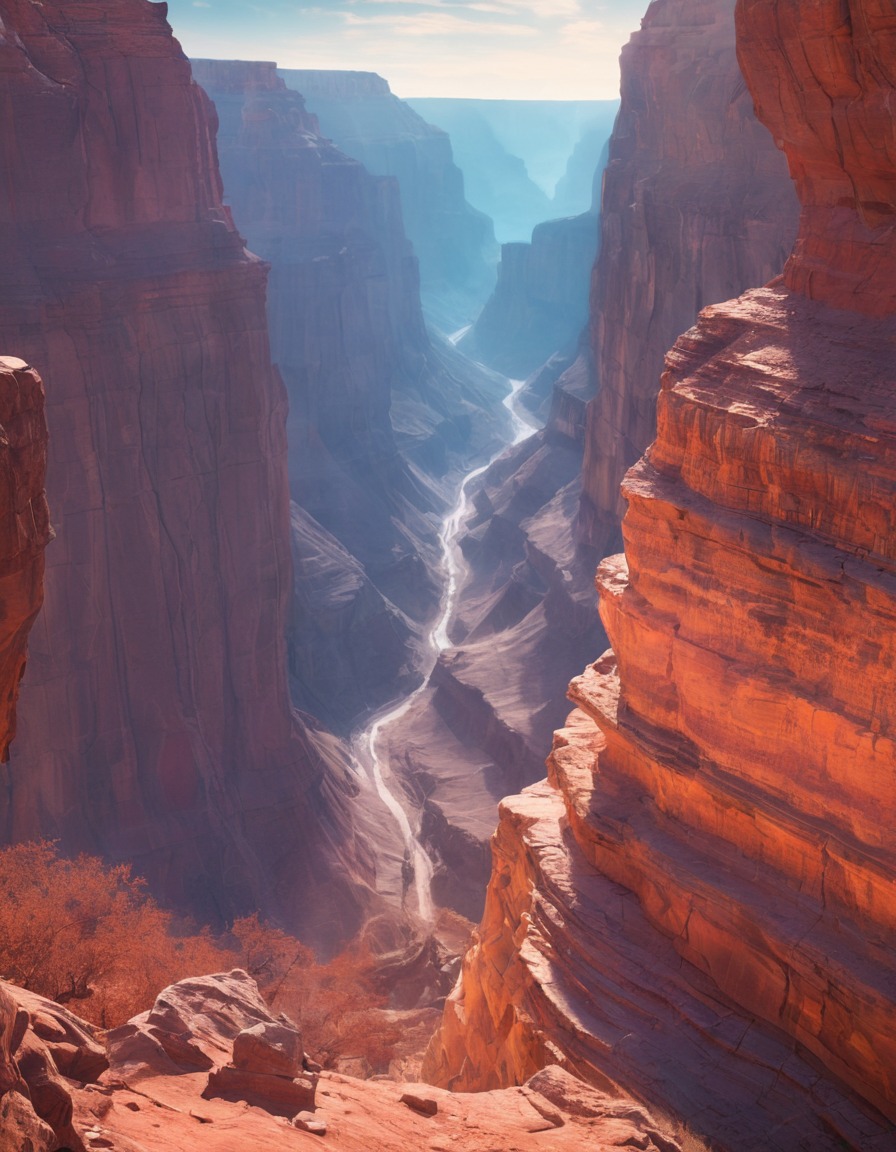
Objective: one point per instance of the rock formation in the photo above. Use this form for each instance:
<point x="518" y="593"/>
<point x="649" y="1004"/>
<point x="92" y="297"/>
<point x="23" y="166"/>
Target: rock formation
<point x="161" y="1090"/>
<point x="29" y="1099"/>
<point x="155" y="724"/>
<point x="697" y="905"/>
<point x="454" y="243"/>
<point x="362" y="377"/>
<point x="45" y="1051"/>
<point x="24" y="527"/>
<point x="696" y="208"/>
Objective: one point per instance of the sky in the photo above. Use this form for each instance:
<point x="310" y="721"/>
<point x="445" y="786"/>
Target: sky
<point x="490" y="49"/>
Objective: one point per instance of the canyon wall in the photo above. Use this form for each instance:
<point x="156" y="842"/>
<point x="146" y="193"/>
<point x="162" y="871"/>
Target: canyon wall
<point x="686" y="147"/>
<point x="454" y="243"/>
<point x="696" y="208"/>
<point x="154" y="723"/>
<point x="697" y="905"/>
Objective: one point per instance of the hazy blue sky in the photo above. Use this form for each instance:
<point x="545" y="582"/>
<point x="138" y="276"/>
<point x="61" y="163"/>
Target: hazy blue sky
<point x="515" y="49"/>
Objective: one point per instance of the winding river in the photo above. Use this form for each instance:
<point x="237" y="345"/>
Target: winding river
<point x="369" y="747"/>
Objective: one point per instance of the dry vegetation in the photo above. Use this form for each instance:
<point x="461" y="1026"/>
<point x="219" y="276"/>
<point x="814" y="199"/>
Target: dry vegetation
<point x="80" y="930"/>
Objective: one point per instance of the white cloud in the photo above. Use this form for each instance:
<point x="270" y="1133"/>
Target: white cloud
<point x="436" y="24"/>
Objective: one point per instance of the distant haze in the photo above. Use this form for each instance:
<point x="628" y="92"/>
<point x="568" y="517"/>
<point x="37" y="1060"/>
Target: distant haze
<point x="491" y="49"/>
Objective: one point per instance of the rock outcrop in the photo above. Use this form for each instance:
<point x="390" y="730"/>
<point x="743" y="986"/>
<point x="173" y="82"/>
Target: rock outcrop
<point x="698" y="903"/>
<point x="696" y="208"/>
<point x="154" y="723"/>
<point x="24" y="527"/>
<point x="454" y="243"/>
<point x="379" y="421"/>
<point x="149" y="1101"/>
<point x="45" y="1054"/>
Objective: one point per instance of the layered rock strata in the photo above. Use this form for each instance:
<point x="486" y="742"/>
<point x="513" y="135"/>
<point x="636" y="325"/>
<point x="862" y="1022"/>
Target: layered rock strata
<point x="155" y="722"/>
<point x="454" y="243"/>
<point x="362" y="377"/>
<point x="698" y="903"/>
<point x="696" y="208"/>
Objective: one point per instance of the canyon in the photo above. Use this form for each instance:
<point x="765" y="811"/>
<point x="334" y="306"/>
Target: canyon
<point x="696" y="905"/>
<point x="454" y="243"/>
<point x="687" y="936"/>
<point x="696" y="206"/>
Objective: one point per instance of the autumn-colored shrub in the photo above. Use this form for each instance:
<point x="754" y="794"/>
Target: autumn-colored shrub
<point x="337" y="1004"/>
<point x="80" y="930"/>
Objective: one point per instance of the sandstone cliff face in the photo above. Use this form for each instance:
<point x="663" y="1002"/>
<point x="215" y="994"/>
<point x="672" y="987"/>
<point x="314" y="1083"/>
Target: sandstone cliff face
<point x="696" y="207"/>
<point x="155" y="724"/>
<point x="454" y="243"/>
<point x="698" y="904"/>
<point x="24" y="527"/>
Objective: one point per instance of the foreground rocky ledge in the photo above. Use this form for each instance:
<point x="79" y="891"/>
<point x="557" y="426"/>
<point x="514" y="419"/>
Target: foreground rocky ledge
<point x="209" y="1068"/>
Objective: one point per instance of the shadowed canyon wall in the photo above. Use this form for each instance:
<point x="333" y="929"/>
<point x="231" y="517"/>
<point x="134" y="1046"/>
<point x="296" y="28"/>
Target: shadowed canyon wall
<point x="454" y="243"/>
<point x="686" y="148"/>
<point x="380" y="420"/>
<point x="154" y="722"/>
<point x="698" y="903"/>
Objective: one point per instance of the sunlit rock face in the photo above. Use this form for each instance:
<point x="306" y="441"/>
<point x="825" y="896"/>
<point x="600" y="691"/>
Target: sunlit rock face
<point x="698" y="903"/>
<point x="154" y="721"/>
<point x="454" y="243"/>
<point x="697" y="207"/>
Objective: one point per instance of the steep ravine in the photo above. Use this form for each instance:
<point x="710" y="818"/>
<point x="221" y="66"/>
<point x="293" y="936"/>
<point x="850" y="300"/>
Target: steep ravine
<point x="697" y="904"/>
<point x="697" y="205"/>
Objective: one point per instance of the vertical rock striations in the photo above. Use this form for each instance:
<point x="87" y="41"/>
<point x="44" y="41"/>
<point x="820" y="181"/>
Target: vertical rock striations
<point x="155" y="724"/>
<point x="699" y="903"/>
<point x="696" y="208"/>
<point x="454" y="243"/>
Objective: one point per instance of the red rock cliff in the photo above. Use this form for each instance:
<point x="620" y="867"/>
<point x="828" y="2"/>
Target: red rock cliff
<point x="24" y="527"/>
<point x="155" y="724"/>
<point x="699" y="905"/>
<point x="696" y="208"/>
